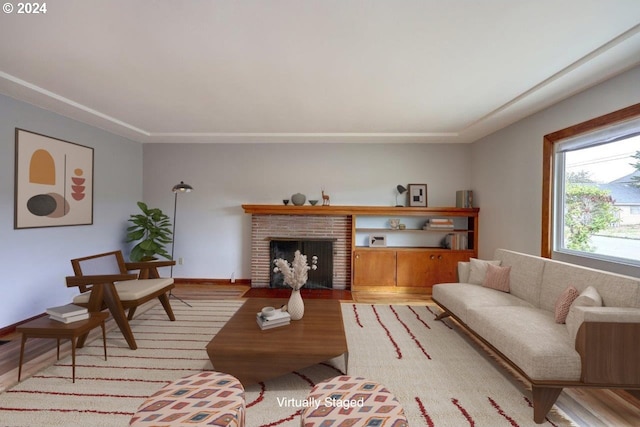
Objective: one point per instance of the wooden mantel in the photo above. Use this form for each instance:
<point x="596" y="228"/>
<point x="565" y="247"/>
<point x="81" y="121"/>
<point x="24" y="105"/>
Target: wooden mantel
<point x="355" y="210"/>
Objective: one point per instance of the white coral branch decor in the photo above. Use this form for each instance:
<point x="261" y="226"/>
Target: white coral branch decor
<point x="296" y="273"/>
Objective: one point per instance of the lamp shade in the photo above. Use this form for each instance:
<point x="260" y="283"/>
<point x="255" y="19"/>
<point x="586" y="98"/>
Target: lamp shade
<point x="182" y="188"/>
<point x="401" y="189"/>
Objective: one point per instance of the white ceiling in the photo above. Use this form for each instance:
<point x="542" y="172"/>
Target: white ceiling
<point x="312" y="70"/>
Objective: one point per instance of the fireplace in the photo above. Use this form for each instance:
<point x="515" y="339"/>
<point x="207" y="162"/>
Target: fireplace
<point x="334" y="228"/>
<point x="321" y="278"/>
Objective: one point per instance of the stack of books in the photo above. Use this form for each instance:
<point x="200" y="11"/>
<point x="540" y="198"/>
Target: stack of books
<point x="68" y="313"/>
<point x="279" y="318"/>
<point x="439" y="224"/>
<point x="455" y="241"/>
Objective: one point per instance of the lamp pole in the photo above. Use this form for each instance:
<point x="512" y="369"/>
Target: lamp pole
<point x="178" y="188"/>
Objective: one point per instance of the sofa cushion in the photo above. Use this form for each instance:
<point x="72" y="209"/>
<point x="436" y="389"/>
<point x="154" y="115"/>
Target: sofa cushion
<point x="478" y="270"/>
<point x="526" y="274"/>
<point x="497" y="278"/>
<point x="563" y="303"/>
<point x="530" y="338"/>
<point x="460" y="297"/>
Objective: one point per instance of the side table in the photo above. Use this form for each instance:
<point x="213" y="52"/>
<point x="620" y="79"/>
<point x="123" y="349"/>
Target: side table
<point x="44" y="327"/>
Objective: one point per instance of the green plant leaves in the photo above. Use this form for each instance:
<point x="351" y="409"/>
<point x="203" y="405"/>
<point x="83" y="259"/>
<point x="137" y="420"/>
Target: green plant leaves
<point x="152" y="230"/>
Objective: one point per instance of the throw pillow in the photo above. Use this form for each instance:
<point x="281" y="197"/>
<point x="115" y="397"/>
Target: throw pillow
<point x="588" y="298"/>
<point x="463" y="272"/>
<point x="478" y="270"/>
<point x="563" y="303"/>
<point x="497" y="278"/>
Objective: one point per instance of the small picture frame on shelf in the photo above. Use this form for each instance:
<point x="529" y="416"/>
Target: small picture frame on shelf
<point x="418" y="195"/>
<point x="377" y="240"/>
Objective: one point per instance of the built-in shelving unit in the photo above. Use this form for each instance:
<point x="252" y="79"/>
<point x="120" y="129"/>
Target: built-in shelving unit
<point x="412" y="259"/>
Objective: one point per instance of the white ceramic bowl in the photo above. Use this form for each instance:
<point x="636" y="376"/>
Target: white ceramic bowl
<point x="268" y="311"/>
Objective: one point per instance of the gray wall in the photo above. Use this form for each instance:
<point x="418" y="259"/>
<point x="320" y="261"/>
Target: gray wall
<point x="212" y="230"/>
<point x="35" y="261"/>
<point x="507" y="165"/>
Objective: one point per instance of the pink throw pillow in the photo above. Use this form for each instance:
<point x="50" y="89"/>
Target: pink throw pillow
<point x="563" y="303"/>
<point x="497" y="278"/>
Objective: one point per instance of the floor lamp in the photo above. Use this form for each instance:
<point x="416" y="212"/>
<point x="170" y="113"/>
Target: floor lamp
<point x="178" y="188"/>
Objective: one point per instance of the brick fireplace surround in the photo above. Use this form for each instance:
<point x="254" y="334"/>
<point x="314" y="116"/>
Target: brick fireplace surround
<point x="269" y="227"/>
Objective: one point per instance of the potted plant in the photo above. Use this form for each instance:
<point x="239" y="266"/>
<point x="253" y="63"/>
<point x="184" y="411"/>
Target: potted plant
<point x="152" y="230"/>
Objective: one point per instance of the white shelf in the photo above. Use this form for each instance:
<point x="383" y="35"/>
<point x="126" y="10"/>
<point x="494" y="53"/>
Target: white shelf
<point x="411" y="230"/>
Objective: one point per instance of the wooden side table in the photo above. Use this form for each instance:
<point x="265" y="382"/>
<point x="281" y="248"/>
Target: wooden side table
<point x="44" y="327"/>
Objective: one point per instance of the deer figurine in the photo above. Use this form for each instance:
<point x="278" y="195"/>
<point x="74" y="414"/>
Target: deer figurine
<point x="325" y="199"/>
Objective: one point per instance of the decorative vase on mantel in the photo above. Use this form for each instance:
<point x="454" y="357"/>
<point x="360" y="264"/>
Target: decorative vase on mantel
<point x="298" y="199"/>
<point x="295" y="307"/>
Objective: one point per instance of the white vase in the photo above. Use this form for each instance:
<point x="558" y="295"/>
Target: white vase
<point x="295" y="307"/>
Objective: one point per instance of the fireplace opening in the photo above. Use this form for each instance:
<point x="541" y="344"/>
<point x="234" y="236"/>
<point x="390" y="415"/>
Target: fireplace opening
<point x="321" y="278"/>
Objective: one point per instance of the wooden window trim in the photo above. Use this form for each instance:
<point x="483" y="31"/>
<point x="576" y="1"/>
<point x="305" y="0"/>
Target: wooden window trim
<point x="548" y="146"/>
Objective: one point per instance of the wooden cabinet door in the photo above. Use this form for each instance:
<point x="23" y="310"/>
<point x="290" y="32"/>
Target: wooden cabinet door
<point x="415" y="268"/>
<point x="425" y="268"/>
<point x="374" y="268"/>
<point x="448" y="271"/>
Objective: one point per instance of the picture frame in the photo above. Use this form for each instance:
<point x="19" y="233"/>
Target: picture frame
<point x="377" y="240"/>
<point x="417" y="195"/>
<point x="53" y="182"/>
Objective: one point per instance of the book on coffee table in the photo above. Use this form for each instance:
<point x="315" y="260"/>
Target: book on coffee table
<point x="280" y="318"/>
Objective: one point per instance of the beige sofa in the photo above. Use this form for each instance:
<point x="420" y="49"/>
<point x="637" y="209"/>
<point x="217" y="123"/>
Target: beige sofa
<point x="599" y="346"/>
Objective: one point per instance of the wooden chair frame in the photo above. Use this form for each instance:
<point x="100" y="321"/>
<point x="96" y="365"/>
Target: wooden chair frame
<point x="105" y="295"/>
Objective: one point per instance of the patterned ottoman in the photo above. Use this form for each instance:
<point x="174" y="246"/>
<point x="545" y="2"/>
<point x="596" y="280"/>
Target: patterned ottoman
<point x="203" y="399"/>
<point x="352" y="402"/>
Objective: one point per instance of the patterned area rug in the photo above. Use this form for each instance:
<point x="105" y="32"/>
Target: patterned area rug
<point x="439" y="377"/>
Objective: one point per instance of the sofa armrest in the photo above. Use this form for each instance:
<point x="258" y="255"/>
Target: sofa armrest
<point x="608" y="341"/>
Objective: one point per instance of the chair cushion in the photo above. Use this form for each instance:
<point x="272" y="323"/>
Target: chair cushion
<point x="130" y="290"/>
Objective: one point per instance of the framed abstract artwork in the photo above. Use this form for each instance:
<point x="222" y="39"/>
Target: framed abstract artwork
<point x="53" y="182"/>
<point x="418" y="195"/>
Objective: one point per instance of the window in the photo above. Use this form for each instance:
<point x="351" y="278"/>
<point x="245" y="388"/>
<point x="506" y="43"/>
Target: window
<point x="592" y="191"/>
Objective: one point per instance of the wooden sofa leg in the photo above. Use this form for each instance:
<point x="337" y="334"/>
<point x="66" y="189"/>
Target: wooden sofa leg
<point x="443" y="315"/>
<point x="543" y="400"/>
<point x="131" y="312"/>
<point x="164" y="299"/>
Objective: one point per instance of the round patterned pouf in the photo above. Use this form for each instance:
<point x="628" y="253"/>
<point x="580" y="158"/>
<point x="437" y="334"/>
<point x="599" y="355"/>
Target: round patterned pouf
<point x="352" y="401"/>
<point x="206" y="398"/>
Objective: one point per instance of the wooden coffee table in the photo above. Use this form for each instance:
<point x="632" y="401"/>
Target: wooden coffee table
<point x="253" y="355"/>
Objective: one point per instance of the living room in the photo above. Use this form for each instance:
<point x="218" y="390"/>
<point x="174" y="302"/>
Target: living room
<point x="503" y="168"/>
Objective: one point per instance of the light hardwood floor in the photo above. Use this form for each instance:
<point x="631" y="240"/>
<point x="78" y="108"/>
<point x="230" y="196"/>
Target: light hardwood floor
<point x="588" y="407"/>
